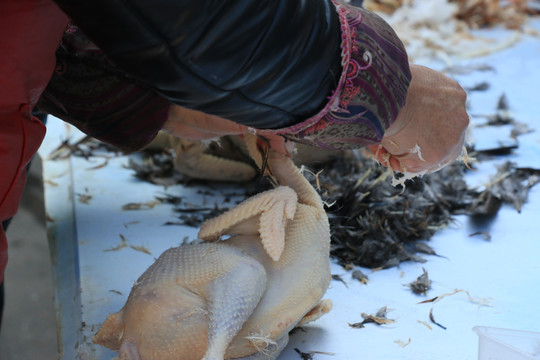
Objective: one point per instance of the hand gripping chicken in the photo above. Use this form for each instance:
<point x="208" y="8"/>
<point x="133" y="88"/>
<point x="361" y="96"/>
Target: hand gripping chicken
<point x="237" y="298"/>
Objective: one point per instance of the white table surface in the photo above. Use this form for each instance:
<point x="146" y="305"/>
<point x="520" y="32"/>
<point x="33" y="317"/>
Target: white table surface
<point x="91" y="282"/>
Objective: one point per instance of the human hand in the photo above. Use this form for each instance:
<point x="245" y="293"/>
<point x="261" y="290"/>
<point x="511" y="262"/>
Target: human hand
<point x="196" y="125"/>
<point x="429" y="131"/>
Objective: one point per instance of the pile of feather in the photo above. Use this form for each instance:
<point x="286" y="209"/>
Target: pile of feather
<point x="377" y="225"/>
<point x="441" y="29"/>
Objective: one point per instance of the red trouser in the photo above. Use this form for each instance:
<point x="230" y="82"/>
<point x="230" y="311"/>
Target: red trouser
<point x="30" y="31"/>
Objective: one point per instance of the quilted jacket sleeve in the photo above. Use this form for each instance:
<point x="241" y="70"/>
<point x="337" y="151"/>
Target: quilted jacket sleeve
<point x="266" y="64"/>
<point x="320" y="72"/>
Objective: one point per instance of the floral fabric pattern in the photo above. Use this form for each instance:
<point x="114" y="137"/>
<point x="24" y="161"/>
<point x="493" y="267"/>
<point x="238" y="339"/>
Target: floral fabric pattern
<point x="89" y="92"/>
<point x="371" y="91"/>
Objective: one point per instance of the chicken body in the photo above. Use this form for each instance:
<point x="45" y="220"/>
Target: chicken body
<point x="237" y="298"/>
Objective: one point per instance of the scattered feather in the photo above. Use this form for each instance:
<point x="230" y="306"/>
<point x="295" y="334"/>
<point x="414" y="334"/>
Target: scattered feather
<point x="141" y="249"/>
<point x="379" y="319"/>
<point x="484" y="234"/>
<point x="140" y="206"/>
<point x="474" y="300"/>
<point x="339" y="278"/>
<point x="425" y="324"/>
<point x="84" y="198"/>
<point x="309" y="355"/>
<point x="422" y="284"/>
<point x="402" y="343"/>
<point x="123" y="244"/>
<point x="432" y="319"/>
<point x="360" y="276"/>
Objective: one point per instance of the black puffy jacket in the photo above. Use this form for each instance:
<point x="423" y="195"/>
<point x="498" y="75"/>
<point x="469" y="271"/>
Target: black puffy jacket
<point x="266" y="63"/>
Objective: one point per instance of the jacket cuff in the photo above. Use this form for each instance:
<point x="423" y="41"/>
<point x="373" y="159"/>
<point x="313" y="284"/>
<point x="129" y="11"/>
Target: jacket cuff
<point x="372" y="88"/>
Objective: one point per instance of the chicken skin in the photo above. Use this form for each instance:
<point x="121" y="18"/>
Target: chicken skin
<point x="236" y="298"/>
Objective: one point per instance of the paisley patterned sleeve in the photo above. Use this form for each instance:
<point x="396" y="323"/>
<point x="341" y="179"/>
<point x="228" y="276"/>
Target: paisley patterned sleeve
<point x="89" y="92"/>
<point x="371" y="91"/>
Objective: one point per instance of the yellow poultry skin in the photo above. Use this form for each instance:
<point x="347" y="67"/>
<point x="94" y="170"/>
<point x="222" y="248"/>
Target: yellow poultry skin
<point x="236" y="298"/>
